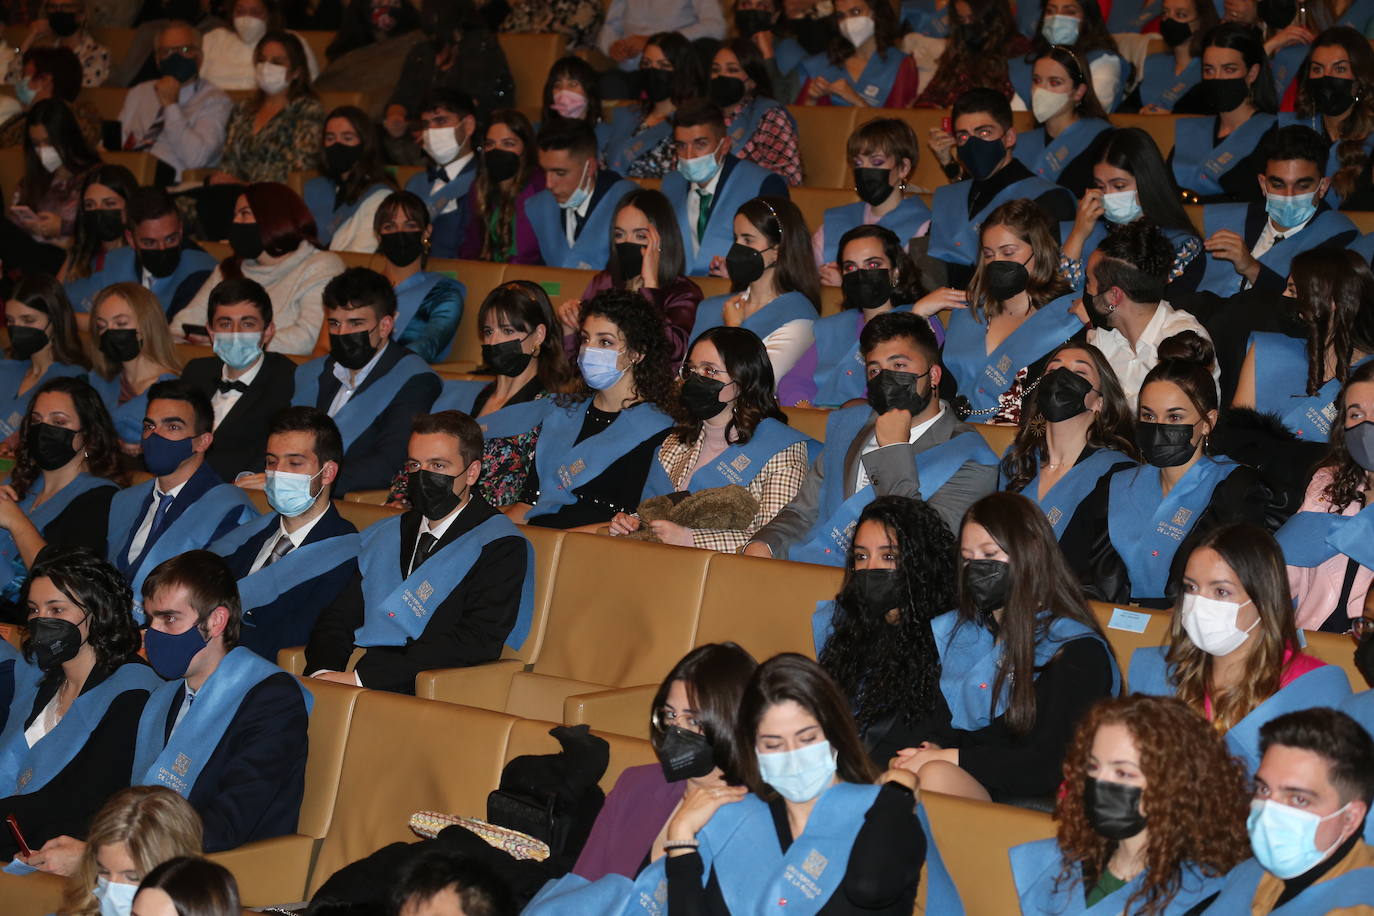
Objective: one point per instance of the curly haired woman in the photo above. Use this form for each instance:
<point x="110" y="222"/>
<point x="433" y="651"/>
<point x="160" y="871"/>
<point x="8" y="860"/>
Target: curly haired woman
<point x="1151" y="816"/>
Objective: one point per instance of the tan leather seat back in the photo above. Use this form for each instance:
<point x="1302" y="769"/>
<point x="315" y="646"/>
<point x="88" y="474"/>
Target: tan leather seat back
<point x="330" y="719"/>
<point x="822" y="132"/>
<point x="548" y="545"/>
<point x="404" y="755"/>
<point x="530" y="57"/>
<point x="809" y="420"/>
<point x="530" y="736"/>
<point x="997" y="437"/>
<point x="480" y="278"/>
<point x="623" y="612"/>
<point x="973" y="838"/>
<point x="364" y="514"/>
<point x="1124" y="642"/>
<point x="1335" y="649"/>
<point x="813" y="202"/>
<point x="559" y="283"/>
<point x="781" y="597"/>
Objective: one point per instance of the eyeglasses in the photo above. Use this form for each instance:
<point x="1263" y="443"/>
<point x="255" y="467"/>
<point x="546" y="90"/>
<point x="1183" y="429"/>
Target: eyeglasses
<point x="1360" y="627"/>
<point x="711" y="372"/>
<point x="183" y="50"/>
<point x="665" y="717"/>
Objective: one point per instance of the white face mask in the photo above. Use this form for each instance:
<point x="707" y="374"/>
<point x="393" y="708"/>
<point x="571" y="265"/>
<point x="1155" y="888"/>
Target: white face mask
<point x="272" y="78"/>
<point x="48" y="155"/>
<point x="1046" y="103"/>
<point x="442" y="144"/>
<point x="1211" y="624"/>
<point x="857" y="29"/>
<point x="250" y="29"/>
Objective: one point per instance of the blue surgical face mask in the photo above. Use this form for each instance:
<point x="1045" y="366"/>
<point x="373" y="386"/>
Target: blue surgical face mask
<point x="1284" y="838"/>
<point x="1121" y="207"/>
<point x="599" y="367"/>
<point x="799" y="775"/>
<point x="115" y="899"/>
<point x="238" y="349"/>
<point x="699" y="169"/>
<point x="162" y="456"/>
<point x="1287" y="212"/>
<point x="582" y="192"/>
<point x="290" y="493"/>
<point x="1060" y="30"/>
<point x="170" y="655"/>
<point x="24" y="92"/>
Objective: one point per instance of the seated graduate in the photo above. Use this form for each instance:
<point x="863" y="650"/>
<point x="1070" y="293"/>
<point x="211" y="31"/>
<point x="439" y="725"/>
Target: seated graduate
<point x="295" y="560"/>
<point x="100" y="226"/>
<point x="237" y="753"/>
<point x="882" y="155"/>
<point x="983" y="141"/>
<point x="1019" y="309"/>
<point x="1313" y="790"/>
<point x="875" y="638"/>
<point x="68" y="740"/>
<point x="1167" y="76"/>
<point x="1331" y="101"/>
<point x="429" y="304"/>
<point x="44" y="345"/>
<point x="498" y="229"/>
<point x="368" y="384"/>
<point x="443" y="586"/>
<point x="760" y="127"/>
<point x="1021" y="659"/>
<point x="637" y="140"/>
<point x="1151" y="818"/>
<point x="1131" y="184"/>
<point x="572" y="89"/>
<point x="1070" y="122"/>
<point x="572" y="216"/>
<point x="597" y="444"/>
<point x="776" y="299"/>
<point x="1234" y="655"/>
<point x="1252" y="246"/>
<point x="864" y="65"/>
<point x="450" y="124"/>
<point x="352" y="182"/>
<point x="185" y="506"/>
<point x="1075" y="428"/>
<point x="1130" y="537"/>
<point x="730" y="435"/>
<point x="710" y="184"/>
<point x="131" y="350"/>
<point x="245" y="384"/>
<point x="1076" y="26"/>
<point x="982" y="37"/>
<point x="1215" y="158"/>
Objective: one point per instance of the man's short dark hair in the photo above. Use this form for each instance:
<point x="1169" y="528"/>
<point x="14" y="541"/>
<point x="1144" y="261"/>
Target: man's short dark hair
<point x="977" y="101"/>
<point x="149" y="203"/>
<point x="892" y="325"/>
<point x="209" y="584"/>
<point x="452" y="423"/>
<point x="575" y="136"/>
<point x="481" y="891"/>
<point x="1296" y="141"/>
<point x="62" y="65"/>
<point x="696" y="112"/>
<point x="299" y="419"/>
<point x="1136" y="258"/>
<point x="174" y="389"/>
<point x="359" y="287"/>
<point x="1336" y="738"/>
<point x="236" y="290"/>
<point x="454" y="101"/>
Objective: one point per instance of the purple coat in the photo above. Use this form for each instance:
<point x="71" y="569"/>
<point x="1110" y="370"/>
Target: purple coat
<point x="526" y="245"/>
<point x="634" y="813"/>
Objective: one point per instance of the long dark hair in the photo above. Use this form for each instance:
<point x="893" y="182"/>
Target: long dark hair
<point x="1185" y="360"/>
<point x="97" y="432"/>
<point x="642" y="326"/>
<point x="715" y="676"/>
<point x="1090" y="106"/>
<point x="779" y="220"/>
<point x="747" y="363"/>
<point x="356" y="31"/>
<point x="794" y="677"/>
<point x="64" y="135"/>
<point x="1134" y="151"/>
<point x="1246" y="39"/>
<point x="572" y="67"/>
<point x="1356" y="127"/>
<point x="95" y="586"/>
<point x="196" y="886"/>
<point x="84" y="244"/>
<point x="1041" y="587"/>
<point x="962" y="66"/>
<point x="44" y="294"/>
<point x="906" y="278"/>
<point x="689" y="73"/>
<point x="1336" y="302"/>
<point x="659" y="212"/>
<point x="495" y="206"/>
<point x="1347" y="477"/>
<point x="525" y="306"/>
<point x="408" y="206"/>
<point x="886" y="30"/>
<point x="1093" y="34"/>
<point x="369" y="171"/>
<point x="752" y="63"/>
<point x="887" y="668"/>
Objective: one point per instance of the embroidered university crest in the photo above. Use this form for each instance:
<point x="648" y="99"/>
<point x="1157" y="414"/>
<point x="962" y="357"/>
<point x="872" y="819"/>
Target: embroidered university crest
<point x="424" y="591"/>
<point x="1054" y="515"/>
<point x="815" y="864"/>
<point x="182" y="765"/>
<point x="740" y="463"/>
<point x="1181" y="517"/>
<point x="25" y="777"/>
<point x="1004" y="364"/>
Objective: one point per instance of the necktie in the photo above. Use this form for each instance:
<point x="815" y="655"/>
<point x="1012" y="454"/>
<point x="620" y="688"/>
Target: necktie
<point x="164" y="503"/>
<point x="703" y="212"/>
<point x="279" y="550"/>
<point x="423" y="548"/>
<point x="224" y="387"/>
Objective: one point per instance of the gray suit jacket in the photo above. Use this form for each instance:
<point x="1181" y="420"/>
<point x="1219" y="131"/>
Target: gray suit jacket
<point x="892" y="470"/>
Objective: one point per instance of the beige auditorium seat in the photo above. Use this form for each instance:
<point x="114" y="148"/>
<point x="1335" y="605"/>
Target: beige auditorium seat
<point x="30" y="895"/>
<point x="1125" y="641"/>
<point x="997" y="436"/>
<point x="809" y="420"/>
<point x="821" y="134"/>
<point x="530" y="57"/>
<point x="973" y="838"/>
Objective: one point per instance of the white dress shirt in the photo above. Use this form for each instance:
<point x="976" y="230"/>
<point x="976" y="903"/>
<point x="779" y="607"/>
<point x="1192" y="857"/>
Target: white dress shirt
<point x="451" y="171"/>
<point x="146" y="526"/>
<point x="694" y="204"/>
<point x="42" y="723"/>
<point x="297" y="538"/>
<point x="223" y="401"/>
<point x="570" y="224"/>
<point x="349" y="382"/>
<point x="1133" y="364"/>
<point x="871" y="445"/>
<point x="193" y="127"/>
<point x="1269" y="235"/>
<point x="188" y="696"/>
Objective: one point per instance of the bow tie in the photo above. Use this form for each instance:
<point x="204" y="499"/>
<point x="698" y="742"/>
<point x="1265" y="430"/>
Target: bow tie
<point x="225" y="387"/>
<point x="438" y="175"/>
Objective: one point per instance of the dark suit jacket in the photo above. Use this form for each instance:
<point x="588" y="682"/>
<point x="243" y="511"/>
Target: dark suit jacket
<point x="241" y="439"/>
<point x="468" y="628"/>
<point x="252" y="785"/>
<point x="1255" y="218"/>
<point x="774" y="185"/>
<point x="605" y="180"/>
<point x="288" y="620"/>
<point x="375" y="456"/>
<point x="201" y="481"/>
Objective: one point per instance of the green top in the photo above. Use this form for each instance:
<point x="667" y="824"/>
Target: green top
<point x="1107" y="885"/>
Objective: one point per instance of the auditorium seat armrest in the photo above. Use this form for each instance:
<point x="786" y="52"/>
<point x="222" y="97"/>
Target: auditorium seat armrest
<point x="30" y="895"/>
<point x="272" y="871"/>
<point x="292" y="660"/>
<point x="373" y="497"/>
<point x="622" y="711"/>
<point x="484" y="686"/>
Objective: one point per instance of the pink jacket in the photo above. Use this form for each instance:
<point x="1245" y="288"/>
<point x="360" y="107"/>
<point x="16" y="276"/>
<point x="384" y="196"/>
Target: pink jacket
<point x="1316" y="589"/>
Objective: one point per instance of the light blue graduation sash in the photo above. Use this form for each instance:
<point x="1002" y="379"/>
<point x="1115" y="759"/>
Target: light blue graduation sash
<point x="592" y="247"/>
<point x="1284" y="64"/>
<point x="1333" y="159"/>
<point x="15" y="406"/>
<point x="1048" y="157"/>
<point x="828" y="541"/>
<point x="785" y="308"/>
<point x="746" y="122"/>
<point x="610" y="895"/>
<point x="625" y="142"/>
<point x="364" y="407"/>
<point x="178" y="764"/>
<point x="44" y="514"/>
<point x="458" y="394"/>
<point x="1198" y="166"/>
<point x="983" y="377"/>
<point x="1281" y="387"/>
<point x="954" y="234"/>
<point x="299" y="565"/>
<point x="733" y="191"/>
<point x="321" y="196"/>
<point x="564" y="464"/>
<point x="738" y="465"/>
<point x="969" y="657"/>
<point x="397" y="610"/>
<point x="25" y="770"/>
<point x="1358" y="15"/>
<point x="1036" y="866"/>
<point x="127" y="417"/>
<point x="840" y="375"/>
<point x="1069" y="491"/>
<point x="1133" y="15"/>
<point x="874" y="84"/>
<point x="1161" y="86"/>
<point x="122" y="267"/>
<point x="1352" y="889"/>
<point x="822" y="624"/>
<point x="1221" y="278"/>
<point x="923" y="18"/>
<point x="516" y="419"/>
<point x="905" y="220"/>
<point x="409" y="294"/>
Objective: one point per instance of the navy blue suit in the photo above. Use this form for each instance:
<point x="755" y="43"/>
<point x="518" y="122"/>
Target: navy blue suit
<point x="202" y="480"/>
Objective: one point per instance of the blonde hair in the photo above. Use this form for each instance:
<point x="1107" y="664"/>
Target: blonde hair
<point x="155" y="823"/>
<point x="152" y="327"/>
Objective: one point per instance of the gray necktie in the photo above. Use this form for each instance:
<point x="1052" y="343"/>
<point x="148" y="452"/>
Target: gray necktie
<point x="279" y="550"/>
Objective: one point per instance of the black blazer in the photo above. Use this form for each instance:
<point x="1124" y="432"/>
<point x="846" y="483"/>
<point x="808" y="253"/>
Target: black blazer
<point x="252" y="785"/>
<point x="375" y="456"/>
<point x="203" y="480"/>
<point x="288" y="621"/>
<point x="773" y="184"/>
<point x="468" y="628"/>
<point x="241" y="439"/>
<point x="1255" y="218"/>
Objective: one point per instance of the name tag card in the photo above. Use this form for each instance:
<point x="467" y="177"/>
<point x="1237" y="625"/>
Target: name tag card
<point x="1130" y="621"/>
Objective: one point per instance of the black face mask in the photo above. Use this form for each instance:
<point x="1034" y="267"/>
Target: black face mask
<point x="812" y="34"/>
<point x="1277" y="13"/>
<point x="401" y="248"/>
<point x="1174" y="32"/>
<point x="352" y="351"/>
<point x="893" y="390"/>
<point x="982" y="157"/>
<point x="1165" y="445"/>
<point x="246" y="240"/>
<point x="1060" y="394"/>
<point x="160" y="262"/>
<point x="1096" y="316"/>
<point x="50" y="446"/>
<point x="1112" y="808"/>
<point x="657" y="84"/>
<point x="881" y="589"/>
<point x="986" y="583"/>
<point x="431" y="493"/>
<point x="63" y="24"/>
<point x="1005" y="279"/>
<point x="970" y="35"/>
<point x="1292" y="324"/>
<point x="120" y="345"/>
<point x="725" y="91"/>
<point x="630" y="257"/>
<point x="743" y="264"/>
<point x="700" y="397"/>
<point x="867" y="288"/>
<point x="685" y="755"/>
<point x="1364" y="657"/>
<point x="179" y="67"/>
<point x="339" y="158"/>
<point x="501" y="164"/>
<point x="24" y="341"/>
<point x="1331" y="95"/>
<point x="751" y="22"/>
<point x="1223" y="95"/>
<point x="104" y="225"/>
<point x="53" y="641"/>
<point x="506" y="358"/>
<point x="872" y="185"/>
